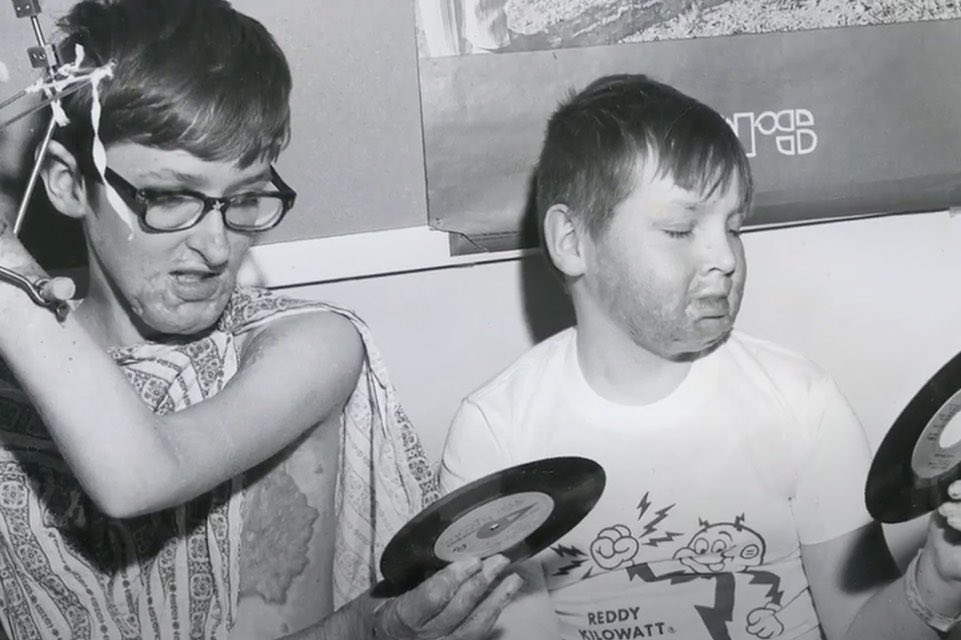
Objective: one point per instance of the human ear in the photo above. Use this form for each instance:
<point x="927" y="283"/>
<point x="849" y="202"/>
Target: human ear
<point x="63" y="181"/>
<point x="563" y="239"/>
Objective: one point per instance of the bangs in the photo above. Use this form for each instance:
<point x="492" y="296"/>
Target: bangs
<point x="209" y="81"/>
<point x="702" y="154"/>
<point x="242" y="122"/>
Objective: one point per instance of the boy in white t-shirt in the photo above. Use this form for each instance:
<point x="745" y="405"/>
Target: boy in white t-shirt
<point x="733" y="507"/>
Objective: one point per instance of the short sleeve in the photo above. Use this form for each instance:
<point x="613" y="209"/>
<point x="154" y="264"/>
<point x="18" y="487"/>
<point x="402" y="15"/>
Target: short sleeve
<point x="829" y="500"/>
<point x="474" y="448"/>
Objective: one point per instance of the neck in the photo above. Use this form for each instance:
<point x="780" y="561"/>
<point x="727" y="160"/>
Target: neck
<point x="620" y="370"/>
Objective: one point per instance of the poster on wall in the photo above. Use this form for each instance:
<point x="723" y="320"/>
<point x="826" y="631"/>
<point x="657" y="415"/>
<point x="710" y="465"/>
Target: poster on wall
<point x="846" y="108"/>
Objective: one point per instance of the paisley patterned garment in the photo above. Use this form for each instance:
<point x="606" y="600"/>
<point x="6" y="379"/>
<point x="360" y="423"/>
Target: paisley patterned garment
<point x="68" y="571"/>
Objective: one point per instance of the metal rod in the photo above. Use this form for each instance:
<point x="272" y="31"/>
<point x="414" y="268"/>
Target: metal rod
<point x="13" y="99"/>
<point x="34" y="173"/>
<point x="43" y="103"/>
<point x="37" y="30"/>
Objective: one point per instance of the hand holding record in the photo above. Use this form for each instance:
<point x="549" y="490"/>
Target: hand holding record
<point x="460" y="602"/>
<point x="917" y="470"/>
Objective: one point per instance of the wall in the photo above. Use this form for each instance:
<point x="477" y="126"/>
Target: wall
<point x="355" y="111"/>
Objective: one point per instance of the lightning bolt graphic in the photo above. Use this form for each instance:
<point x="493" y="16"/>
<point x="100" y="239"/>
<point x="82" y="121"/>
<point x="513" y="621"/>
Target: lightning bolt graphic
<point x="669" y="536"/>
<point x="644" y="505"/>
<point x="715" y="621"/>
<point x="716" y="618"/>
<point x="659" y="516"/>
<point x="563" y="551"/>
<point x="566" y="569"/>
<point x="773" y="581"/>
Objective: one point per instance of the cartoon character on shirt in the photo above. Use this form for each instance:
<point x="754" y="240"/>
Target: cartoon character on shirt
<point x="722" y="550"/>
<point x="719" y="552"/>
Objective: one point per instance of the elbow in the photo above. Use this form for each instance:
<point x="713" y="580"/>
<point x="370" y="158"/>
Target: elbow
<point x="121" y="505"/>
<point x="117" y="511"/>
<point x="149" y="492"/>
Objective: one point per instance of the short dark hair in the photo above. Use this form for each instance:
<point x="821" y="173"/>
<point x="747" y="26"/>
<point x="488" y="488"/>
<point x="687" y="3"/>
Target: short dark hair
<point x="596" y="138"/>
<point x="194" y="75"/>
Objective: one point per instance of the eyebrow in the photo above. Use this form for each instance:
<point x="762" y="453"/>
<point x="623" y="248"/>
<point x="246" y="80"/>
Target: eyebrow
<point x="194" y="182"/>
<point x="264" y="176"/>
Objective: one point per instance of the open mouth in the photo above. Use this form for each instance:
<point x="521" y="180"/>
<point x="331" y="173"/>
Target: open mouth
<point x="713" y="307"/>
<point x="193" y="276"/>
<point x="195" y="285"/>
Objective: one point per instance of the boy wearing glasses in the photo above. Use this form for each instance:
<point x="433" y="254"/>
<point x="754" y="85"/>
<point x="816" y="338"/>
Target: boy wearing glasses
<point x="180" y="457"/>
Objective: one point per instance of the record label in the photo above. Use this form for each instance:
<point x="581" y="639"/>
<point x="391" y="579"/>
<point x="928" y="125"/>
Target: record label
<point x="494" y="526"/>
<point x="920" y="456"/>
<point x="930" y="458"/>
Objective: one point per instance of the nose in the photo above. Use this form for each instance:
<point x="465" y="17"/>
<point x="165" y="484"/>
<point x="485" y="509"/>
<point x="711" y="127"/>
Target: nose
<point x="209" y="238"/>
<point x="720" y="252"/>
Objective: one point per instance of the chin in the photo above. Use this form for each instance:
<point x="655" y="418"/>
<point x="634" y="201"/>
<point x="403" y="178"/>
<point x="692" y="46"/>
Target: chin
<point x="185" y="322"/>
<point x="699" y="347"/>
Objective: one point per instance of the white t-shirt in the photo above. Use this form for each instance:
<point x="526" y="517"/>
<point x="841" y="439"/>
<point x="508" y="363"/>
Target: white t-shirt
<point x="710" y="491"/>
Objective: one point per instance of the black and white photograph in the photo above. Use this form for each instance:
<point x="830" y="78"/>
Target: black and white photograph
<point x="480" y="320"/>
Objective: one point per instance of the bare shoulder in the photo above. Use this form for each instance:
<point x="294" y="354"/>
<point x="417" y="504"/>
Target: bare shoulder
<point x="322" y="334"/>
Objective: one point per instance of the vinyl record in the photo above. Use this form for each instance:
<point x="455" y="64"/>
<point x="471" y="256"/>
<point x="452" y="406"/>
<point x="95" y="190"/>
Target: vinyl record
<point x="516" y="512"/>
<point x="912" y="469"/>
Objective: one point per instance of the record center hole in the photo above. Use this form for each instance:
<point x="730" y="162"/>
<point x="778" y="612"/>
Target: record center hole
<point x="952" y="432"/>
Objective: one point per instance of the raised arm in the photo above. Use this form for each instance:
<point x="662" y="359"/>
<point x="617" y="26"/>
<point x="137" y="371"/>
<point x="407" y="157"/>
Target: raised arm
<point x="293" y="374"/>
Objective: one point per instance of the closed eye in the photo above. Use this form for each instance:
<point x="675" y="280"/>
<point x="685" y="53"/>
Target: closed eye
<point x="677" y="233"/>
<point x="734" y="223"/>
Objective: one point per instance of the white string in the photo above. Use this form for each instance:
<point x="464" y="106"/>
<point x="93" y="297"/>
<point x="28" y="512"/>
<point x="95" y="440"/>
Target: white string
<point x="100" y="155"/>
<point x="70" y="74"/>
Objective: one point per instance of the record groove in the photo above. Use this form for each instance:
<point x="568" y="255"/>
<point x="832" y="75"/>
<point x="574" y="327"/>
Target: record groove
<point x="517" y="512"/>
<point x="911" y="471"/>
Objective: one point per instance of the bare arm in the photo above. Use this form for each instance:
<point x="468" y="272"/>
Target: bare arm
<point x="857" y="590"/>
<point x="293" y="375"/>
<point x="859" y="594"/>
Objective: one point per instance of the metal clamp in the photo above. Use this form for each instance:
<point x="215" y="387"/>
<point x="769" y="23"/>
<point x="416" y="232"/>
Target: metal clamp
<point x="52" y="293"/>
<point x="26" y="8"/>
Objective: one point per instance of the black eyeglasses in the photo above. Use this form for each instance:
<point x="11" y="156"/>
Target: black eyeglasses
<point x="161" y="210"/>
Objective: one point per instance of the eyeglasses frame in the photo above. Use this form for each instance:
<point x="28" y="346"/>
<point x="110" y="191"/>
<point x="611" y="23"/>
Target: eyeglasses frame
<point x="141" y="199"/>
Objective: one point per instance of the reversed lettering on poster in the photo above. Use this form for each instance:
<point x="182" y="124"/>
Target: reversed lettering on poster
<point x="789" y="131"/>
<point x="623" y="622"/>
